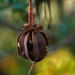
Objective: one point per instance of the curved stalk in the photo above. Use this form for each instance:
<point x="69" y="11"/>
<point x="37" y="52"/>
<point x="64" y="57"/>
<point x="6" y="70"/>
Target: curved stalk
<point x="33" y="63"/>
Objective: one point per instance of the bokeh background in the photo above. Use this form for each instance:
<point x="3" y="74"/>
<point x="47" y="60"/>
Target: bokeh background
<point x="60" y="29"/>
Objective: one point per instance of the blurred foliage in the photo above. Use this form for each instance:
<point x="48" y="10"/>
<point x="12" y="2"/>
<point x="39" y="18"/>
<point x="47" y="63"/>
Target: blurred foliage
<point x="61" y="34"/>
<point x="58" y="63"/>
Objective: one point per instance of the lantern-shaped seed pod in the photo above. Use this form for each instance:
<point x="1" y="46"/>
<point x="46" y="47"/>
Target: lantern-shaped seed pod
<point x="32" y="43"/>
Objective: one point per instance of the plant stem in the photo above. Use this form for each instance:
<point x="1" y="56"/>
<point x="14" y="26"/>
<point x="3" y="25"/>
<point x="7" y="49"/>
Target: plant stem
<point x="30" y="13"/>
<point x="31" y="68"/>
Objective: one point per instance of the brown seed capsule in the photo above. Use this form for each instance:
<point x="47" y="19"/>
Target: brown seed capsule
<point x="32" y="43"/>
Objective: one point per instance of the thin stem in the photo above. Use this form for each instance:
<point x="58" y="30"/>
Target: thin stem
<point x="33" y="63"/>
<point x="30" y="13"/>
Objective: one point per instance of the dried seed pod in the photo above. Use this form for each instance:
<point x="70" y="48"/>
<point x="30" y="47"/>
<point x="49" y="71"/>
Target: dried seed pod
<point x="32" y="43"/>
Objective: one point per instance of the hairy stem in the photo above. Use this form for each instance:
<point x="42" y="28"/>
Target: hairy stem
<point x="30" y="13"/>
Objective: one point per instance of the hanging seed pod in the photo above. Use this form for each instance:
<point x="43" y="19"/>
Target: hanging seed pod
<point x="32" y="43"/>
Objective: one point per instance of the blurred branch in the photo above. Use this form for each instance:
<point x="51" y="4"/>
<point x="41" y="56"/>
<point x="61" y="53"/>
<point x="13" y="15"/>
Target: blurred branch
<point x="38" y="2"/>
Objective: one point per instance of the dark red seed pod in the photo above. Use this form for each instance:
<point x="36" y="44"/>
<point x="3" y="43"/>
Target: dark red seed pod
<point x="32" y="43"/>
